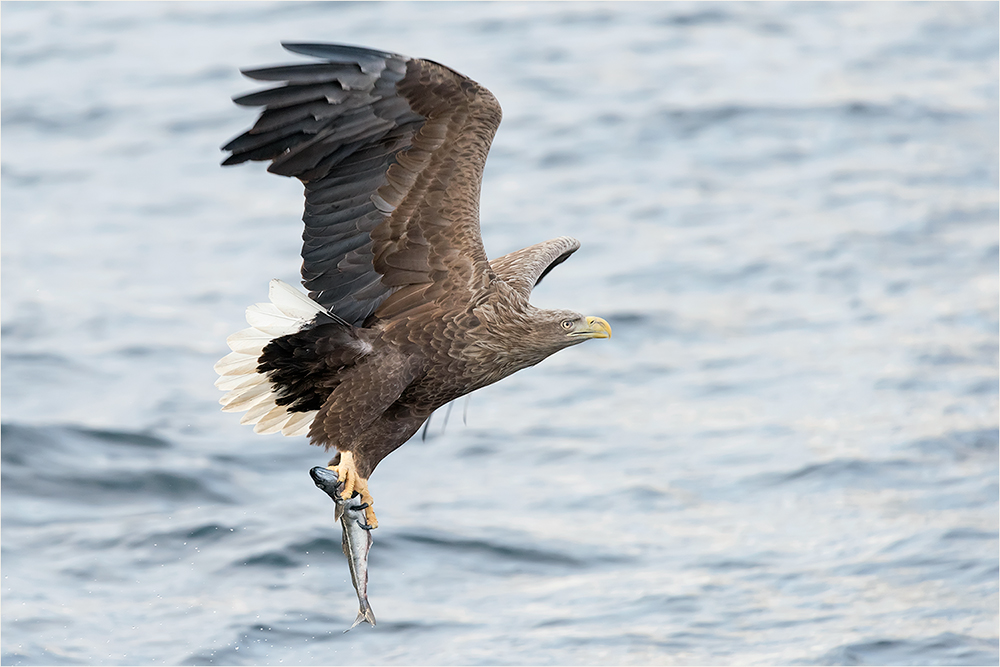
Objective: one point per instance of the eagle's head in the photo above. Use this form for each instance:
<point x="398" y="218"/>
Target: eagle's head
<point x="548" y="331"/>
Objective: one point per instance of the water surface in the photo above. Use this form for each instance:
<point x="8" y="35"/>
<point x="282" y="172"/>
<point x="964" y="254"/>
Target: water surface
<point x="786" y="455"/>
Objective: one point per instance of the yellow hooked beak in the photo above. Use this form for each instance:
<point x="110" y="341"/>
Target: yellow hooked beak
<point x="597" y="327"/>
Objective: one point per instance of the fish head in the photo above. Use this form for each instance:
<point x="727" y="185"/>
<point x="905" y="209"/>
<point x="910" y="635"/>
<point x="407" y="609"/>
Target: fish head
<point x="327" y="481"/>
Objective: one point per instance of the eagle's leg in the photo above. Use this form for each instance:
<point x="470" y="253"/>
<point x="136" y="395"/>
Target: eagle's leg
<point x="347" y="472"/>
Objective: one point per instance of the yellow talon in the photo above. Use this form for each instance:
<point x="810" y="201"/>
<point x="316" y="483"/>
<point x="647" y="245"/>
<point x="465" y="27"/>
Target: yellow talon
<point x="347" y="473"/>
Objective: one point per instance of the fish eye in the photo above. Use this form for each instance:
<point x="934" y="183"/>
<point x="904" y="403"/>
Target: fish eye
<point x="567" y="324"/>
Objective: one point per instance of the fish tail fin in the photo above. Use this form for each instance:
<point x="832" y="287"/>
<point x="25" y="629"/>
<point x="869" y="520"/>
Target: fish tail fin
<point x="364" y="614"/>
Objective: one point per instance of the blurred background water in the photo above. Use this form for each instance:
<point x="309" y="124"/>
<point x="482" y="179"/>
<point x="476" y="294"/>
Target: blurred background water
<point x="786" y="455"/>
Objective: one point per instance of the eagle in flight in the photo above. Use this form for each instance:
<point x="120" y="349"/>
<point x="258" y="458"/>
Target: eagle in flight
<point x="405" y="312"/>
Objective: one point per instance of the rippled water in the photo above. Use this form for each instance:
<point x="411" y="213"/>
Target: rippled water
<point x="787" y="453"/>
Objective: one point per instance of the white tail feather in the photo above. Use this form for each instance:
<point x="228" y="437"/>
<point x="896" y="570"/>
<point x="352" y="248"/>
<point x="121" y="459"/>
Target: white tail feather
<point x="233" y="382"/>
<point x="236" y="363"/>
<point x="292" y="302"/>
<point x="288" y="311"/>
<point x="299" y="423"/>
<point x="249" y="341"/>
<point x="259" y="410"/>
<point x="249" y="403"/>
<point x="272" y="421"/>
<point x="234" y="399"/>
<point x="254" y="414"/>
<point x="267" y="318"/>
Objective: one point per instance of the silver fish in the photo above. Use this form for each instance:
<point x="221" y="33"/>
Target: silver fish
<point x="356" y="537"/>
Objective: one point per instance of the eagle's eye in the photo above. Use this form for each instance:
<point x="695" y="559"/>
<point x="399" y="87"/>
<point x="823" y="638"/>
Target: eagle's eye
<point x="567" y="324"/>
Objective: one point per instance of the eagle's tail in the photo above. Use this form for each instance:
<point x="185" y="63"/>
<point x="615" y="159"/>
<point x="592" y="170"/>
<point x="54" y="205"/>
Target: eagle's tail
<point x="248" y="390"/>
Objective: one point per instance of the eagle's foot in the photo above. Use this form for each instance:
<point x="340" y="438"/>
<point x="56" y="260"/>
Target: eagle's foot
<point x="347" y="474"/>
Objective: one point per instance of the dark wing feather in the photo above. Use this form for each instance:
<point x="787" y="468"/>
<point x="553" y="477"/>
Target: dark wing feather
<point x="525" y="268"/>
<point x="391" y="151"/>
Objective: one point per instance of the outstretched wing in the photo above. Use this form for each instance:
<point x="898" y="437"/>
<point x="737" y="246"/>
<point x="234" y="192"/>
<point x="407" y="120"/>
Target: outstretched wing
<point x="391" y="151"/>
<point x="525" y="268"/>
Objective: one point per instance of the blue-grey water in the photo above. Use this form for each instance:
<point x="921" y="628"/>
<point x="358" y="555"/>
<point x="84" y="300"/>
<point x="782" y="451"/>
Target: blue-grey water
<point x="787" y="454"/>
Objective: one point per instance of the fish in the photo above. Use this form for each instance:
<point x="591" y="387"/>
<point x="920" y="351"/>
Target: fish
<point x="356" y="537"/>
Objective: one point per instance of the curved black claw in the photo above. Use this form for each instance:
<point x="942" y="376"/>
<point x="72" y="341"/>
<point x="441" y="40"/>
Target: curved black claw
<point x="365" y="525"/>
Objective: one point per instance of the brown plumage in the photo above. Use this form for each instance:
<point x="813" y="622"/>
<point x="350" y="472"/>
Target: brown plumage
<point x="408" y="313"/>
